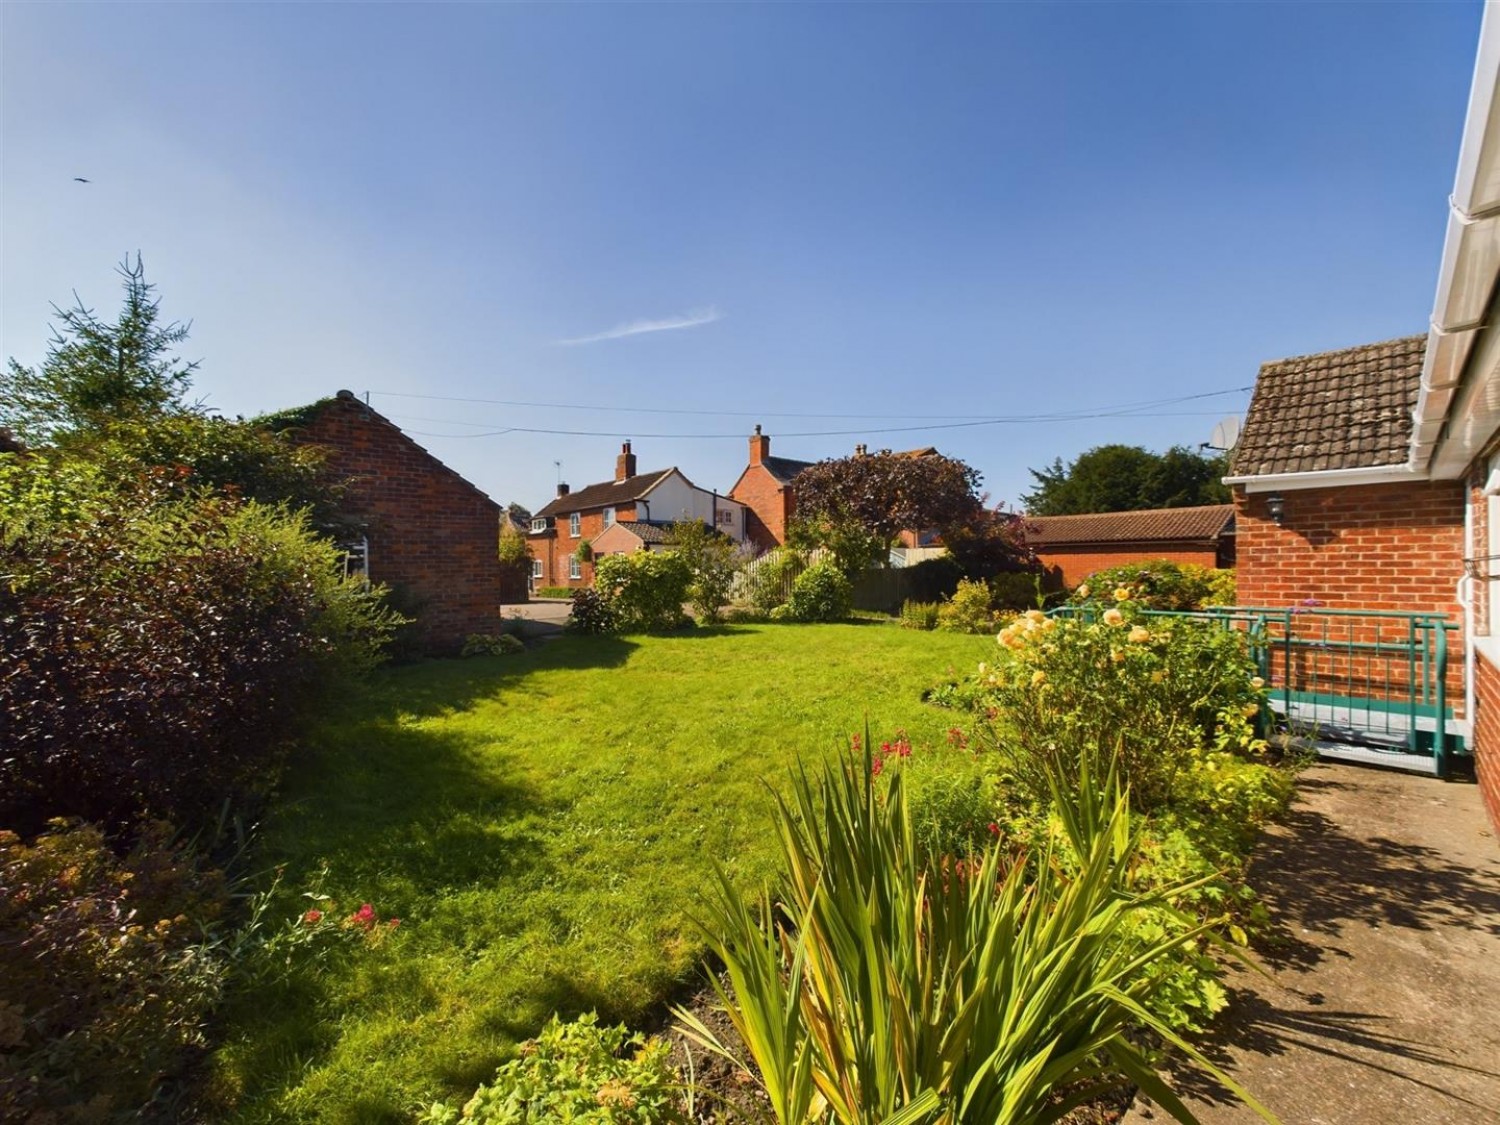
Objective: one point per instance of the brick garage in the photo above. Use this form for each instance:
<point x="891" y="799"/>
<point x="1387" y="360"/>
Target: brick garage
<point x="432" y="536"/>
<point x="1073" y="547"/>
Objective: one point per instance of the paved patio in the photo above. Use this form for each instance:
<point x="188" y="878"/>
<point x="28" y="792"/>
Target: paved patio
<point x="1384" y="1002"/>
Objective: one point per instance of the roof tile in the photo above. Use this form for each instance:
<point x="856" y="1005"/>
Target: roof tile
<point x="1349" y="409"/>
<point x="1208" y="521"/>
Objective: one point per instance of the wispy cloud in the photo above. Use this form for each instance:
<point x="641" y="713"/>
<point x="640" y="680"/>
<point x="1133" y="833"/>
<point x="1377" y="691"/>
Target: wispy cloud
<point x="640" y="327"/>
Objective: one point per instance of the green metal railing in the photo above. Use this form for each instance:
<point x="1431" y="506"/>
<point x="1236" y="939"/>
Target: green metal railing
<point x="1371" y="677"/>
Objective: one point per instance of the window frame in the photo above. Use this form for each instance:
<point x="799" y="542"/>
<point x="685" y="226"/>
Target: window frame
<point x="609" y="517"/>
<point x="575" y="568"/>
<point x="575" y="525"/>
<point x="538" y="569"/>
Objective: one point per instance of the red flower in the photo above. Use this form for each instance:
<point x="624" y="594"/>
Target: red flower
<point x="312" y="917"/>
<point x="994" y="829"/>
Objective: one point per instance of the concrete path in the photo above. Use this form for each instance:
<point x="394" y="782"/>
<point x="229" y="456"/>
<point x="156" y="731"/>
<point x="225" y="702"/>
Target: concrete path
<point x="1384" y="1002"/>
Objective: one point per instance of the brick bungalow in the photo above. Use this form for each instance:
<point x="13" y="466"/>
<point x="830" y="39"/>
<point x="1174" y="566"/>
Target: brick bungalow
<point x="415" y="524"/>
<point x="1369" y="478"/>
<point x="654" y="498"/>
<point x="1071" y="548"/>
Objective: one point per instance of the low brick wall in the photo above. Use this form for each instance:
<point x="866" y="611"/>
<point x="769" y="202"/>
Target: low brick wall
<point x="1071" y="565"/>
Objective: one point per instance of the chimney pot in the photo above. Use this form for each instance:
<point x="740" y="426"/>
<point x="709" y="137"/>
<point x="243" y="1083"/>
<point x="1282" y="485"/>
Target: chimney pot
<point x="625" y="463"/>
<point x="562" y="489"/>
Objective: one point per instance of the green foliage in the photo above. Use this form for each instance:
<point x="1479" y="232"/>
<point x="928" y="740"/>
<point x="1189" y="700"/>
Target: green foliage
<point x="515" y="549"/>
<point x="576" y="1072"/>
<point x="1125" y="478"/>
<point x="107" y="983"/>
<point x="486" y="644"/>
<point x="239" y="458"/>
<point x="593" y="614"/>
<point x="768" y="583"/>
<point x="160" y="644"/>
<point x="715" y="563"/>
<point x="1020" y="590"/>
<point x="646" y="590"/>
<point x="919" y="615"/>
<point x="968" y="610"/>
<point x="821" y="593"/>
<point x="584" y="552"/>
<point x="874" y="986"/>
<point x="1160" y="584"/>
<point x="850" y="546"/>
<point x="951" y="792"/>
<point x="1073" y="692"/>
<point x="556" y="591"/>
<point x="97" y="374"/>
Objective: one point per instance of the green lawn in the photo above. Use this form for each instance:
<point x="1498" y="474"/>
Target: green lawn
<point x="541" y="824"/>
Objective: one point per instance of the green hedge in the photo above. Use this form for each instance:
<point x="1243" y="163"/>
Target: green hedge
<point x="556" y="591"/>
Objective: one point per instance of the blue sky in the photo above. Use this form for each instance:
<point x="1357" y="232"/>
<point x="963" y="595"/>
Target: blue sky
<point x="832" y="217"/>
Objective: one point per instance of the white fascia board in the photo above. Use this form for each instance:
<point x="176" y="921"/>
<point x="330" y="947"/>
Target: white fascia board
<point x="1328" y="478"/>
<point x="1471" y="248"/>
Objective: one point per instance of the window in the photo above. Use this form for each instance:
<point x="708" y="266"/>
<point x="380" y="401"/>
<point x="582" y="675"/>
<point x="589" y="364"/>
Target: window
<point x="573" y="526"/>
<point x="356" y="560"/>
<point x="726" y="517"/>
<point x="609" y="517"/>
<point x="575" y="568"/>
<point x="536" y="568"/>
<point x="539" y="524"/>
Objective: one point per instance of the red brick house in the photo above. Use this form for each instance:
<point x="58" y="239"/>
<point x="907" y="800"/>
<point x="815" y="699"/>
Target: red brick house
<point x="414" y="524"/>
<point x="574" y="519"/>
<point x="1071" y="548"/>
<point x="767" y="489"/>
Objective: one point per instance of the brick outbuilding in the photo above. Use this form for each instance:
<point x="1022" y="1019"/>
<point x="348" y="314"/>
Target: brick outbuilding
<point x="1071" y="548"/>
<point x="414" y="524"/>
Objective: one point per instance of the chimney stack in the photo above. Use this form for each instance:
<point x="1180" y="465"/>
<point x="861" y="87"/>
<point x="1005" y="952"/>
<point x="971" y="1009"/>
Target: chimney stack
<point x="625" y="463"/>
<point x="860" y="450"/>
<point x="760" y="446"/>
<point x="562" y="489"/>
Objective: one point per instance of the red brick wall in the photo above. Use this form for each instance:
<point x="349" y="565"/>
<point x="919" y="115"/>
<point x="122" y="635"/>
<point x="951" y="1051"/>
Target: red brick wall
<point x="559" y="545"/>
<point x="1074" y="564"/>
<point x="1486" y="737"/>
<point x="430" y="531"/>
<point x="1374" y="546"/>
<point x="768" y="506"/>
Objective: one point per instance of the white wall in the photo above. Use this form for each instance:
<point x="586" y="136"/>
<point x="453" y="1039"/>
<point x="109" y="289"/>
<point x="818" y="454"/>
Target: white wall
<point x="674" y="499"/>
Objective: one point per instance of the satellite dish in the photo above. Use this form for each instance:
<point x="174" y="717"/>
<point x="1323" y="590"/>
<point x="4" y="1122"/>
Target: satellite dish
<point x="1226" y="433"/>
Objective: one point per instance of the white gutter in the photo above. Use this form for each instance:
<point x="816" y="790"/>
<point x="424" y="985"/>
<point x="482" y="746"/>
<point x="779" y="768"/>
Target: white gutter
<point x="1470" y="263"/>
<point x="1328" y="478"/>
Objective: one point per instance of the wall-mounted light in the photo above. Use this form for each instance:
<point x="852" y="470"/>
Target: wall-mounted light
<point x="1276" y="506"/>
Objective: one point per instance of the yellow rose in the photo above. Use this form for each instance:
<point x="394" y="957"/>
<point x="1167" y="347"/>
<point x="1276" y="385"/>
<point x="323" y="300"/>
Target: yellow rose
<point x="1122" y="593"/>
<point x="1036" y="615"/>
<point x="1250" y="710"/>
<point x="1257" y="683"/>
<point x="1038" y="678"/>
<point x="1140" y="635"/>
<point x="1158" y="676"/>
<point x="1082" y="591"/>
<point x="1113" y="617"/>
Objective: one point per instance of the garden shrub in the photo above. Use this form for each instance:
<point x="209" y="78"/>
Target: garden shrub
<point x="821" y="593"/>
<point x="1019" y="589"/>
<point x="555" y="591"/>
<point x="968" y="610"/>
<point x="919" y="615"/>
<point x="646" y="590"/>
<point x="715" y="563"/>
<point x="874" y="982"/>
<point x="932" y="580"/>
<point x="577" y="1072"/>
<point x="160" y="646"/>
<point x="1072" y="693"/>
<point x="1160" y="584"/>
<point x="950" y="791"/>
<point x="768" y="583"/>
<point x="592" y="614"/>
<point x="106" y="982"/>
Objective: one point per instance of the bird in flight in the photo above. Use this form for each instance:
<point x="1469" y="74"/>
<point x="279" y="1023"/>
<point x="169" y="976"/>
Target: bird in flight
<point x="81" y="180"/>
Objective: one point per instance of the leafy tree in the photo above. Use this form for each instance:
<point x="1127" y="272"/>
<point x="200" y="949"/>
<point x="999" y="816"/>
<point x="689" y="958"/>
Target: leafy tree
<point x="714" y="561"/>
<point x="97" y="373"/>
<point x="1124" y="478"/>
<point x="876" y="496"/>
<point x="989" y="541"/>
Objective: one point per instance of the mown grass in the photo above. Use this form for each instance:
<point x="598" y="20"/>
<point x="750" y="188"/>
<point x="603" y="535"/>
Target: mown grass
<point x="542" y="825"/>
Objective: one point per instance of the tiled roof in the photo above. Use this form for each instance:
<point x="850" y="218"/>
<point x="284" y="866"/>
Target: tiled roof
<point x="605" y="493"/>
<point x="1153" y="525"/>
<point x="648" y="532"/>
<point x="784" y="468"/>
<point x="1349" y="409"/>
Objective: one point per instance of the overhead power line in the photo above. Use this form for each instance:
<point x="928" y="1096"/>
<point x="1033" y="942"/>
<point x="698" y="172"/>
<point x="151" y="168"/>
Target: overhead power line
<point x="599" y="408"/>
